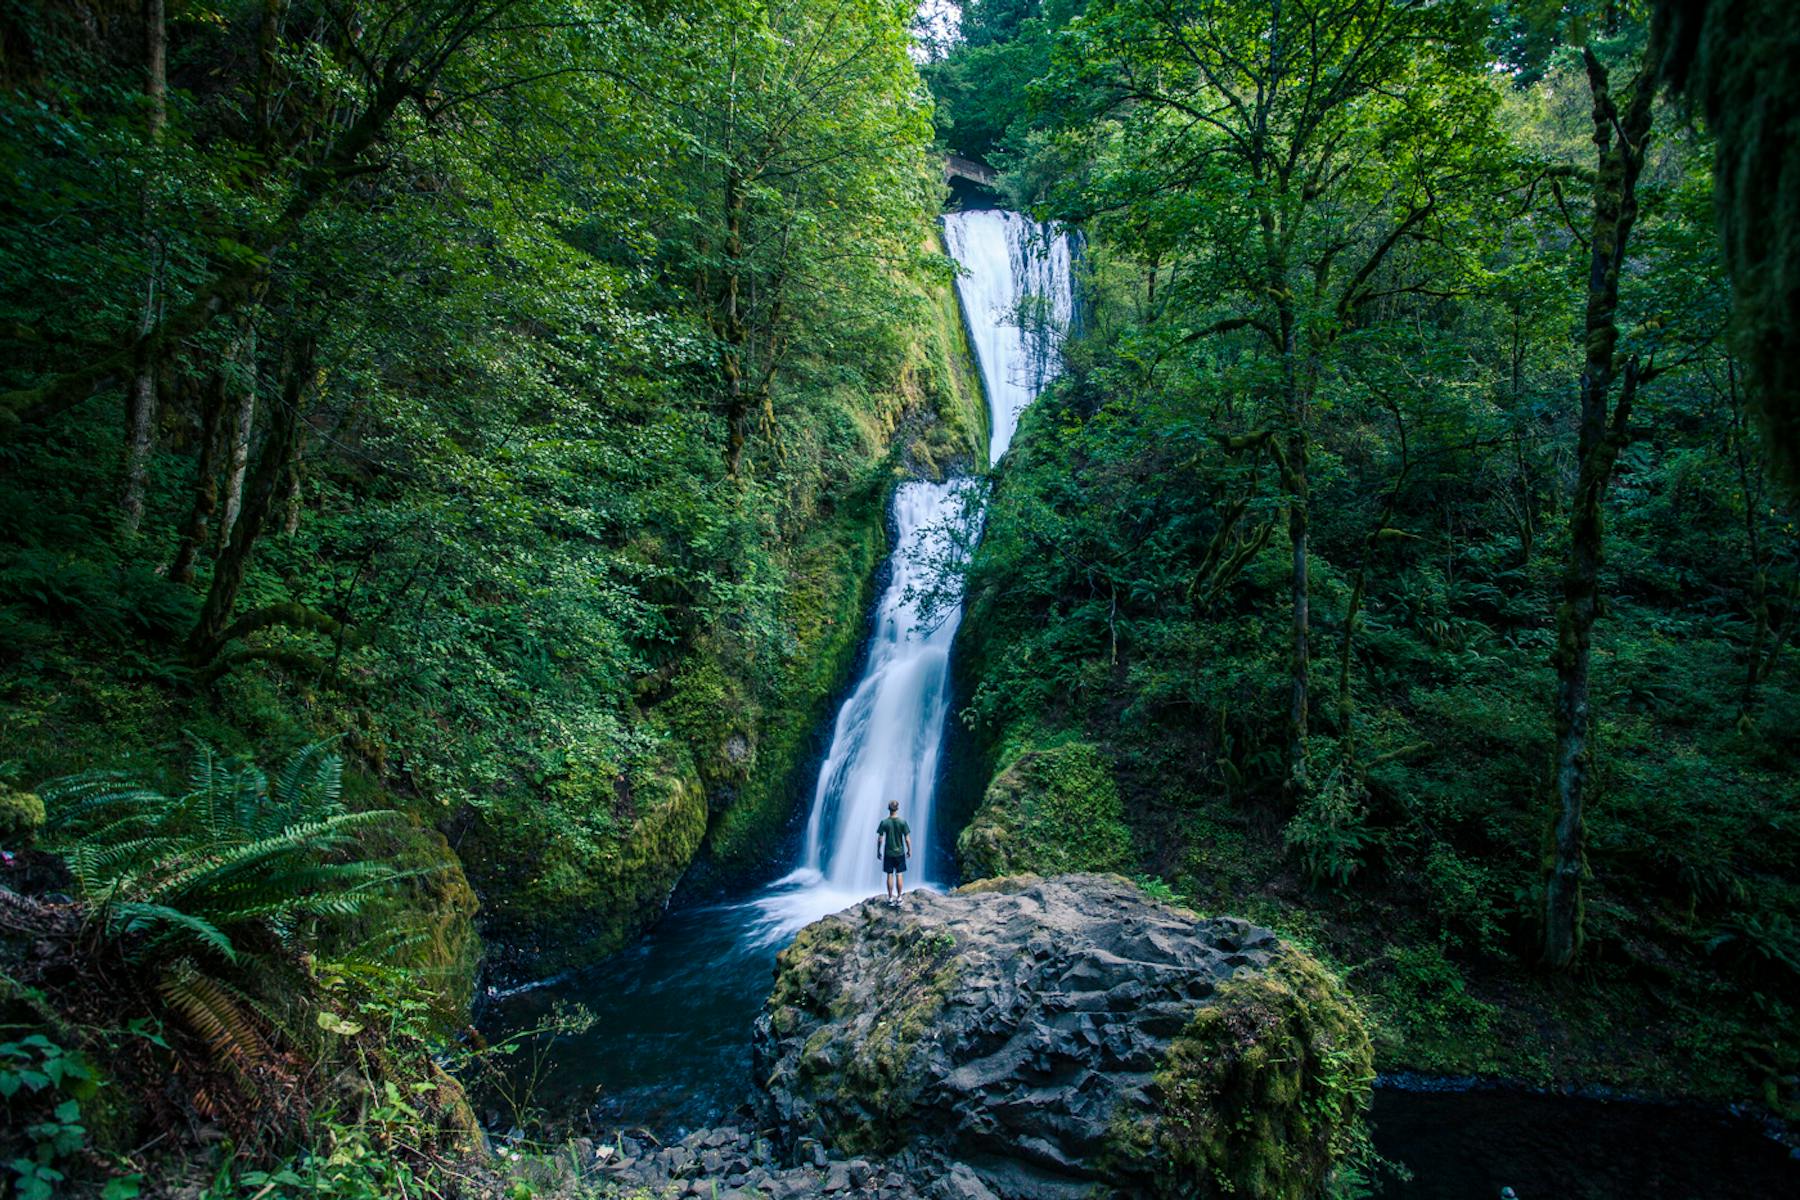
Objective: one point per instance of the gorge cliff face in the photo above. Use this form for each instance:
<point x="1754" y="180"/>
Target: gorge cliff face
<point x="1052" y="1035"/>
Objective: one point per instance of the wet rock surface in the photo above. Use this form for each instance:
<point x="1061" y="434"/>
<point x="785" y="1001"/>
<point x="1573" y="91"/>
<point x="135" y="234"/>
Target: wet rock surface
<point x="1036" y="1038"/>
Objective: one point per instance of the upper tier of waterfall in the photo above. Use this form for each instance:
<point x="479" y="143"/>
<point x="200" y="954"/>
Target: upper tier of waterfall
<point x="1017" y="297"/>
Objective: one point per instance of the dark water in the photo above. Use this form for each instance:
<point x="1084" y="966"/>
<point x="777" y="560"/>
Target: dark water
<point x="670" y="1046"/>
<point x="1468" y="1145"/>
<point x="671" y="1050"/>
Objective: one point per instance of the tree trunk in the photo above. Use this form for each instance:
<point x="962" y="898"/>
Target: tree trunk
<point x="1767" y="636"/>
<point x="140" y="413"/>
<point x="259" y="495"/>
<point x="1294" y="481"/>
<point x="243" y="424"/>
<point x="140" y="419"/>
<point x="1299" y="659"/>
<point x="1604" y="430"/>
<point x="290" y="500"/>
<point x="206" y="478"/>
<point x="733" y="327"/>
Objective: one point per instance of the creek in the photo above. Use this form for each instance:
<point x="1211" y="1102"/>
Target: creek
<point x="669" y="1047"/>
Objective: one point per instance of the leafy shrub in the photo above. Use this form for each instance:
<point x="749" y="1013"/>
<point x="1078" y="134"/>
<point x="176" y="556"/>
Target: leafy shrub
<point x="1331" y="830"/>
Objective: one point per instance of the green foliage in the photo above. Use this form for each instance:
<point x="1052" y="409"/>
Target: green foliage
<point x="42" y="1088"/>
<point x="236" y="852"/>
<point x="1133" y="583"/>
<point x="513" y="496"/>
<point x="21" y="816"/>
<point x="1330" y="831"/>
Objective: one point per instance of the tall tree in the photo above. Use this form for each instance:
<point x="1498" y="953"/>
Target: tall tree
<point x="1294" y="148"/>
<point x="1621" y="136"/>
<point x="141" y="409"/>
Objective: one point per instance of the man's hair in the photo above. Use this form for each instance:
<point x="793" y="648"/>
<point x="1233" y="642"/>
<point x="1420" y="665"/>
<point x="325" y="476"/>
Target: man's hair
<point x="893" y="806"/>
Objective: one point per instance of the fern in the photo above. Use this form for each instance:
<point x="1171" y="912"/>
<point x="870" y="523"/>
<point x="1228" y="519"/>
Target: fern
<point x="214" y="1011"/>
<point x="133" y="917"/>
<point x="189" y="874"/>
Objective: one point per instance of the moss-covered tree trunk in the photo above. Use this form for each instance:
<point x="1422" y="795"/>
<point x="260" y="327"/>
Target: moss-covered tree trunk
<point x="206" y="477"/>
<point x="1619" y="141"/>
<point x="237" y="460"/>
<point x="207" y="637"/>
<point x="733" y="327"/>
<point x="140" y="414"/>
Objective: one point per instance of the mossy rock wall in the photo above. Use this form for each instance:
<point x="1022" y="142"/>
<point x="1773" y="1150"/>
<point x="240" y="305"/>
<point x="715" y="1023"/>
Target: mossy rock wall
<point x="757" y="730"/>
<point x="569" y="895"/>
<point x="757" y="739"/>
<point x="1052" y="807"/>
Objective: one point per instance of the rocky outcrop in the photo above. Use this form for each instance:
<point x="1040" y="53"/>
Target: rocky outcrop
<point x="1052" y="1036"/>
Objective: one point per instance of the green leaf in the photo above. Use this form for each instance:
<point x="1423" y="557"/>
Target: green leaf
<point x="330" y="1022"/>
<point x="122" y="1187"/>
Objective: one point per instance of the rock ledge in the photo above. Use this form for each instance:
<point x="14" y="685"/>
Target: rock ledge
<point x="1052" y="1035"/>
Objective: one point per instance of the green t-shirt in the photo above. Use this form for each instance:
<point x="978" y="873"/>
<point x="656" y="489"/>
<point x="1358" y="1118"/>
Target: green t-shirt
<point x="893" y="833"/>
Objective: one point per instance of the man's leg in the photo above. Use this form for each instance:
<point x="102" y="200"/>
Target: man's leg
<point x="899" y="885"/>
<point x="890" y="886"/>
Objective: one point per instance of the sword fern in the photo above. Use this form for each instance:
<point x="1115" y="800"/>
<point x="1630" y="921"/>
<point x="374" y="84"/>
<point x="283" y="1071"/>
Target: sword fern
<point x="192" y="874"/>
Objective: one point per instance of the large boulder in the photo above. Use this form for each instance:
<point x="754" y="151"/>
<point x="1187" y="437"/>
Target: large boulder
<point x="1057" y="1035"/>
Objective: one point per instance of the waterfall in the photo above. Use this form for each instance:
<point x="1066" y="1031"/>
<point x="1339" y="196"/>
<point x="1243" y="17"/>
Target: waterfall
<point x="1017" y="298"/>
<point x="1016" y="294"/>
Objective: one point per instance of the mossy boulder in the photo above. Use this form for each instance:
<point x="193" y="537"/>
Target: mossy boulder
<point x="1051" y="807"/>
<point x="1058" y="1037"/>
<point x="566" y="889"/>
<point x="1261" y="1093"/>
<point x="21" y="816"/>
<point x="436" y="908"/>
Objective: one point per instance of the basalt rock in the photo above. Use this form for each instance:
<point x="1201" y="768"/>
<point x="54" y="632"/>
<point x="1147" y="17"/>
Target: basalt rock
<point x="1054" y="1038"/>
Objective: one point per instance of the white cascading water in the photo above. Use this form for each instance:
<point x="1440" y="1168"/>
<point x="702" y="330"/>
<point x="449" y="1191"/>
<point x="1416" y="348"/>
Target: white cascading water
<point x="1017" y="298"/>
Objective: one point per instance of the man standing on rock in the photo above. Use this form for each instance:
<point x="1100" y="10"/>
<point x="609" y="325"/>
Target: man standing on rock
<point x="893" y="841"/>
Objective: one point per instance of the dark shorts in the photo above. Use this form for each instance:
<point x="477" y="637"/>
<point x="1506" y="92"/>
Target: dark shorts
<point x="893" y="863"/>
